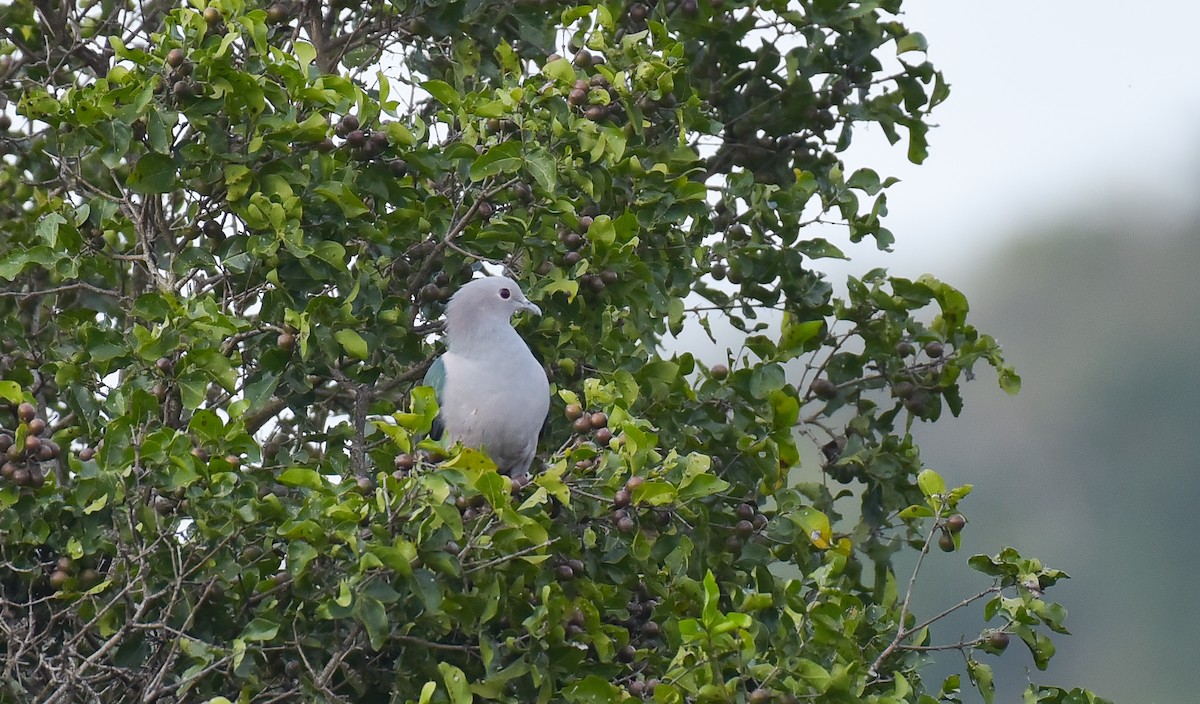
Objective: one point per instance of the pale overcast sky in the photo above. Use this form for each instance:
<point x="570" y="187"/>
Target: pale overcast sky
<point x="1055" y="106"/>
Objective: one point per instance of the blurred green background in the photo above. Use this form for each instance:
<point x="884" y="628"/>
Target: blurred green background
<point x="1093" y="467"/>
<point x="1062" y="194"/>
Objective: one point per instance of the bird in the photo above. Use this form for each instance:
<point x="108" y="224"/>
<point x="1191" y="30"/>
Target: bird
<point x="492" y="392"/>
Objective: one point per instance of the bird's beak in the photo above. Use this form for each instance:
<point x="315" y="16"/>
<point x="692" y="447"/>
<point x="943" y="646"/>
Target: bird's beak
<point x="532" y="308"/>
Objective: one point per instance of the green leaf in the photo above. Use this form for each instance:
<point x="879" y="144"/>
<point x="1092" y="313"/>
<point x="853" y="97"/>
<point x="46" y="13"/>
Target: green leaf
<point x="301" y="477"/>
<point x="592" y="690"/>
<point x="701" y="486"/>
<point x="351" y="205"/>
<point x="653" y="494"/>
<point x="47" y="227"/>
<point x="373" y="616"/>
<point x="766" y="379"/>
<point x="1010" y="381"/>
<point x="352" y="343"/>
<point x="540" y="164"/>
<point x="796" y="338"/>
<point x="456" y="682"/>
<point x="260" y="629"/>
<point x="238" y="180"/>
<point x="914" y="41"/>
<point x="153" y="173"/>
<point x="815" y="675"/>
<point x="216" y="365"/>
<point x="333" y="253"/>
<point x="500" y="159"/>
<point x="931" y="483"/>
<point x="442" y="92"/>
<point x="866" y="180"/>
<point x="259" y="392"/>
<point x="96" y="505"/>
<point x="712" y="595"/>
<point x="815" y="525"/>
<point x="560" y="70"/>
<point x="11" y="391"/>
<point x="918" y="146"/>
<point x="981" y="675"/>
<point x="916" y="511"/>
<point x="12" y="264"/>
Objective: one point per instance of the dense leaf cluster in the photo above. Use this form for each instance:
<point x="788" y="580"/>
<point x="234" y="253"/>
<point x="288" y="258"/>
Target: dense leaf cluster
<point x="229" y="232"/>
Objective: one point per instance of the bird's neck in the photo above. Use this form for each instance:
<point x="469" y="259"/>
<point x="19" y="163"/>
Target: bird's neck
<point x="471" y="335"/>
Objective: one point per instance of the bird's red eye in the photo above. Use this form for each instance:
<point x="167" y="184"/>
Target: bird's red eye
<point x="505" y="294"/>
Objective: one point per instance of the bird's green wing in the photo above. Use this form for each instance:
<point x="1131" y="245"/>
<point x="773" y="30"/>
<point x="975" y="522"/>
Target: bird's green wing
<point x="435" y="378"/>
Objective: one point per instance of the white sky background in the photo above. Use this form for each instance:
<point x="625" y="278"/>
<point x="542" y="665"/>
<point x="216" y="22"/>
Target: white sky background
<point x="1054" y="106"/>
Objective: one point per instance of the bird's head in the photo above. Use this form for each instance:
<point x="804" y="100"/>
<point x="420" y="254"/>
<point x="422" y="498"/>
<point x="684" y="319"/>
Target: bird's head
<point x="490" y="299"/>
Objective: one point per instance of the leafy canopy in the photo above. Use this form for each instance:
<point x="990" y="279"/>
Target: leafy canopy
<point x="229" y="231"/>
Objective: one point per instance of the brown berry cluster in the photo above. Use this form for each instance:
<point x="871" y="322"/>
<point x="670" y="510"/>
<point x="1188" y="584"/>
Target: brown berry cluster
<point x="917" y="383"/>
<point x="179" y="75"/>
<point x="592" y="96"/>
<point x="951" y="527"/>
<point x="750" y="522"/>
<point x="437" y="287"/>
<point x="645" y="632"/>
<point x="365" y="144"/>
<point x="25" y="451"/>
<point x="569" y="569"/>
<point x="573" y="240"/>
<point x="62" y="570"/>
<point x="407" y="462"/>
<point x="470" y="507"/>
<point x="625" y="516"/>
<point x="584" y="423"/>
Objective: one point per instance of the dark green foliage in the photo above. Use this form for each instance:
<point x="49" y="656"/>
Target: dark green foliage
<point x="228" y="242"/>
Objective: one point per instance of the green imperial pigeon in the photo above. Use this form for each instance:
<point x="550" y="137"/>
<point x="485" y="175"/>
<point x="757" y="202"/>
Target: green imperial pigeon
<point x="492" y="393"/>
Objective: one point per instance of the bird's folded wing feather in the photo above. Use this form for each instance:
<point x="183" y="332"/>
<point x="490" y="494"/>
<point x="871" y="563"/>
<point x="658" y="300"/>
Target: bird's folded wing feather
<point x="435" y="378"/>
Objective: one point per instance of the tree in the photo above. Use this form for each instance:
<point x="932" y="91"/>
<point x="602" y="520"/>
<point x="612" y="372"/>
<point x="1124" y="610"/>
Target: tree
<point x="230" y="231"/>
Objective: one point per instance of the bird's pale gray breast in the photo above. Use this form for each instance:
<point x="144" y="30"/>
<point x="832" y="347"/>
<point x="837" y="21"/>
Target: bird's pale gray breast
<point x="498" y="405"/>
